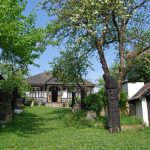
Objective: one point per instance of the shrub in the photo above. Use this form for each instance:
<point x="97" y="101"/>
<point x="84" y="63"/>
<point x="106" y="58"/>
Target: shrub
<point x="28" y="101"/>
<point x="122" y="102"/>
<point x="93" y="102"/>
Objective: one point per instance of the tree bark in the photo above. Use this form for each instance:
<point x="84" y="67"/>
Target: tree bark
<point x="113" y="104"/>
<point x="121" y="55"/>
<point x="83" y="95"/>
<point x="120" y="33"/>
<point x="111" y="92"/>
<point x="73" y="99"/>
<point x="14" y="99"/>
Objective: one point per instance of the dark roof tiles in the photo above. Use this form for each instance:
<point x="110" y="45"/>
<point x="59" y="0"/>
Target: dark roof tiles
<point x="48" y="79"/>
<point x="41" y="78"/>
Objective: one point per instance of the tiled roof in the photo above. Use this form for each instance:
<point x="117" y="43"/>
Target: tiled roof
<point x="39" y="79"/>
<point x="48" y="79"/>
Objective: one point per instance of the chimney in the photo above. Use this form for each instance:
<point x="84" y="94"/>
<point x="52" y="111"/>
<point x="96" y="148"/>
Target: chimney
<point x="132" y="88"/>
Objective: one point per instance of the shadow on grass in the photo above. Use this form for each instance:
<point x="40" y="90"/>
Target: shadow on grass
<point x="76" y="120"/>
<point x="26" y="124"/>
<point x="49" y="119"/>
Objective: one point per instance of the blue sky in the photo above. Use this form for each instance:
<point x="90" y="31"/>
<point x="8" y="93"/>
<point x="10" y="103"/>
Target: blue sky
<point x="51" y="52"/>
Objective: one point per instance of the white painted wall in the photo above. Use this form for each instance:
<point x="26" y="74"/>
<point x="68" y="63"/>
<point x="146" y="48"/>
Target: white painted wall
<point x="28" y="94"/>
<point x="145" y="111"/>
<point x="69" y="94"/>
<point x="96" y="89"/>
<point x="45" y="94"/>
<point x="64" y="94"/>
<point x="142" y="111"/>
<point x="132" y="88"/>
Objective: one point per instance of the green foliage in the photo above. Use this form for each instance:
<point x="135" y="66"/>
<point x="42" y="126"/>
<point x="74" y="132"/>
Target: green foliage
<point x="102" y="95"/>
<point x="140" y="69"/>
<point x="29" y="100"/>
<point x="20" y="41"/>
<point x="136" y="70"/>
<point x="20" y="44"/>
<point x="123" y="100"/>
<point x="114" y="71"/>
<point x="70" y="67"/>
<point x="91" y="26"/>
<point x="93" y="102"/>
<point x="94" y="25"/>
<point x="83" y="23"/>
<point x="12" y="81"/>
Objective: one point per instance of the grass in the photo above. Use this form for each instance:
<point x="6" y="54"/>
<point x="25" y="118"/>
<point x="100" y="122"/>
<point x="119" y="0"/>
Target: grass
<point x="43" y="128"/>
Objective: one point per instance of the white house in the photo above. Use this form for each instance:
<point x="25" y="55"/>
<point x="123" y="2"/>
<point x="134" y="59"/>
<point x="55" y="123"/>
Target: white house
<point x="47" y="88"/>
<point x="139" y="100"/>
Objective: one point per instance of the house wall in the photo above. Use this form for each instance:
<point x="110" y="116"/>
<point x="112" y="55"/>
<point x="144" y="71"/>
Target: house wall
<point x="132" y="88"/>
<point x="142" y="111"/>
<point x="139" y="112"/>
<point x="64" y="94"/>
<point x="145" y="111"/>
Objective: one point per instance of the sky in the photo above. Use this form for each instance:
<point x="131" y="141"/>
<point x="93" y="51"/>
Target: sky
<point x="51" y="52"/>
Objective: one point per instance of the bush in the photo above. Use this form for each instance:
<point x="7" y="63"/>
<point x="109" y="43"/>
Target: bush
<point x="123" y="101"/>
<point x="93" y="102"/>
<point x="28" y="101"/>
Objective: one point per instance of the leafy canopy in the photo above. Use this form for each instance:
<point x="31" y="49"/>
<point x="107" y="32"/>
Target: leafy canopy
<point x="20" y="41"/>
<point x="12" y="81"/>
<point x="83" y="23"/>
<point x="70" y="67"/>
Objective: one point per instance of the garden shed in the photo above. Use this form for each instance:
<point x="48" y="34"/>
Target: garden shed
<point x="139" y="100"/>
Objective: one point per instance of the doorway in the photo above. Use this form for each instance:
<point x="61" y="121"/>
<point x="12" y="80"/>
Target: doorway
<point x="54" y="93"/>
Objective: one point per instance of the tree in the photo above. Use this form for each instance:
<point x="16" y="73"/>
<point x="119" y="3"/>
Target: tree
<point x="103" y="97"/>
<point x="135" y="70"/>
<point x="70" y="68"/>
<point x="139" y="69"/>
<point x="15" y="85"/>
<point x="20" y="41"/>
<point x="20" y="44"/>
<point x="93" y="26"/>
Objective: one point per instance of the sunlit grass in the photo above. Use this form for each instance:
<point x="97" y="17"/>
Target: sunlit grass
<point x="53" y="129"/>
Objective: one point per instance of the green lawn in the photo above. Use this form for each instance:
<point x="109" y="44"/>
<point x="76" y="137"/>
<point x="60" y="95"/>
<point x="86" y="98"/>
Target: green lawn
<point x="42" y="128"/>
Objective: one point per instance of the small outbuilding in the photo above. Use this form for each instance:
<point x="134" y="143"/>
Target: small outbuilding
<point x="139" y="100"/>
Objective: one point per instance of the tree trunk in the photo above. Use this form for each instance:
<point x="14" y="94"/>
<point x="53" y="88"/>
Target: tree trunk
<point x="83" y="94"/>
<point x="120" y="32"/>
<point x="73" y="99"/>
<point x="121" y="55"/>
<point x="111" y="92"/>
<point x="113" y="104"/>
<point x="14" y="99"/>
